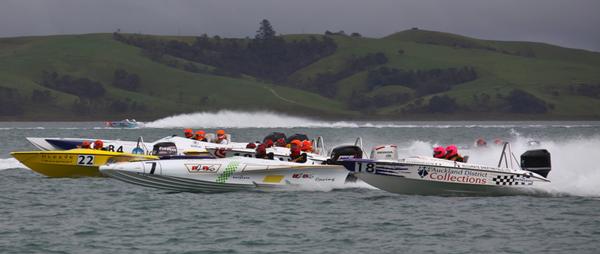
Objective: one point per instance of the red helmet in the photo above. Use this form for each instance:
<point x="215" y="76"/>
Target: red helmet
<point x="98" y="144"/>
<point x="251" y="145"/>
<point x="281" y="142"/>
<point x="268" y="143"/>
<point x="297" y="143"/>
<point x="85" y="144"/>
<point x="451" y="150"/>
<point x="439" y="152"/>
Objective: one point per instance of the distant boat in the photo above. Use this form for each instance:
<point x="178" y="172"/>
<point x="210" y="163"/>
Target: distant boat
<point x="124" y="124"/>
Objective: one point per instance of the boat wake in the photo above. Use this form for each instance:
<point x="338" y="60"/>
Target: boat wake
<point x="8" y="163"/>
<point x="264" y="119"/>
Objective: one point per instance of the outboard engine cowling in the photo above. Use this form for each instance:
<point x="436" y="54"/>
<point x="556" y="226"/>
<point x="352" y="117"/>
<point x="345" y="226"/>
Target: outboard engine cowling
<point x="537" y="161"/>
<point x="344" y="152"/>
<point x="385" y="152"/>
<point x="164" y="149"/>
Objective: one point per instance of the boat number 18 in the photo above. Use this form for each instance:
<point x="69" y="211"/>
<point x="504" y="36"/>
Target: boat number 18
<point x="85" y="160"/>
<point x="367" y="167"/>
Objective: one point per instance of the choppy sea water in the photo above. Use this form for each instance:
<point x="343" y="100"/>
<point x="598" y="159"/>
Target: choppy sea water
<point x="100" y="215"/>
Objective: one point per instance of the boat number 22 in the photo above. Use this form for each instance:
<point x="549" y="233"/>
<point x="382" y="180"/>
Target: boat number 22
<point x="85" y="160"/>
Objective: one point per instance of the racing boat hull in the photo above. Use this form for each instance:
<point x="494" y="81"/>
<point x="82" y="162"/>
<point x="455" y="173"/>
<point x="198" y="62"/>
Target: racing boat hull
<point x="426" y="176"/>
<point x="72" y="163"/>
<point x="184" y="145"/>
<point x="227" y="174"/>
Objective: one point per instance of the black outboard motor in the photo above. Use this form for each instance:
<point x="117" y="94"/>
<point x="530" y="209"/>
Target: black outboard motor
<point x="537" y="161"/>
<point x="297" y="136"/>
<point x="274" y="136"/>
<point x="164" y="149"/>
<point x="342" y="152"/>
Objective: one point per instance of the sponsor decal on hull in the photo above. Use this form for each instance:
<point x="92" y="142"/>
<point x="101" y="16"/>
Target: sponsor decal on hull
<point x="273" y="179"/>
<point x="302" y="176"/>
<point x="202" y="168"/>
<point x="58" y="159"/>
<point x="229" y="170"/>
<point x="452" y="175"/>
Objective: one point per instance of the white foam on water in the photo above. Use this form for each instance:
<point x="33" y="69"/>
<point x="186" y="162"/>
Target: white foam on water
<point x="264" y="119"/>
<point x="9" y="163"/>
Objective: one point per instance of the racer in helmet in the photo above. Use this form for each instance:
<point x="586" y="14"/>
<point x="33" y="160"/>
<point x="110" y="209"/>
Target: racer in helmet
<point x="98" y="144"/>
<point x="200" y="136"/>
<point x="452" y="154"/>
<point x="85" y="144"/>
<point x="188" y="133"/>
<point x="439" y="152"/>
<point x="221" y="138"/>
<point x="307" y="146"/>
<point x="296" y="153"/>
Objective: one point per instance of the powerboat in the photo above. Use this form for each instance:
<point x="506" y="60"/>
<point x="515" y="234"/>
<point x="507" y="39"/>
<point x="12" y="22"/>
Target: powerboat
<point x="193" y="174"/>
<point x="431" y="176"/>
<point x="72" y="163"/>
<point x="124" y="124"/>
<point x="185" y="145"/>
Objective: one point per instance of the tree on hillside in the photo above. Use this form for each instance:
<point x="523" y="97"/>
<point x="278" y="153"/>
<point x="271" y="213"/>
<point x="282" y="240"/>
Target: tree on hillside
<point x="524" y="102"/>
<point x="442" y="104"/>
<point x="265" y="31"/>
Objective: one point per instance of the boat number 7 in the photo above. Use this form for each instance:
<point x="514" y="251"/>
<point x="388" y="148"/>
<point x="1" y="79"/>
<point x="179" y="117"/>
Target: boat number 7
<point x="85" y="160"/>
<point x="369" y="167"/>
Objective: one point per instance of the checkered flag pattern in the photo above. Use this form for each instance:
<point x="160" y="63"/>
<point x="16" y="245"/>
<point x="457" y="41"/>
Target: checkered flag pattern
<point x="509" y="179"/>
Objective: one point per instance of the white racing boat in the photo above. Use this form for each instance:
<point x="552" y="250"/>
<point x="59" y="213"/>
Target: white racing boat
<point x="430" y="176"/>
<point x="184" y="145"/>
<point x="193" y="174"/>
<point x="209" y="174"/>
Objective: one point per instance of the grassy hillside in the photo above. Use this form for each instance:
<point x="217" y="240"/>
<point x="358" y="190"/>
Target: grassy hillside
<point x="551" y="74"/>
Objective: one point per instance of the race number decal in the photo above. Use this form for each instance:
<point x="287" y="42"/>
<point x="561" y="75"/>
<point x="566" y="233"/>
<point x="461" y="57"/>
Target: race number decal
<point x="85" y="160"/>
<point x="111" y="148"/>
<point x="366" y="167"/>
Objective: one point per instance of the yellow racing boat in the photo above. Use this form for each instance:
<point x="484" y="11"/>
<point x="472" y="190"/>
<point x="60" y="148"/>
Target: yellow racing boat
<point x="73" y="163"/>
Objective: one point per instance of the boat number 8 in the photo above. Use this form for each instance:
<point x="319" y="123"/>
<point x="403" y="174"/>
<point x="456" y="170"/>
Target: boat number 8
<point x="111" y="148"/>
<point x="86" y="160"/>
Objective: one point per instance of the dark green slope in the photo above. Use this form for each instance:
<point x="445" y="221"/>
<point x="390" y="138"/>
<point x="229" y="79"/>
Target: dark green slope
<point x="558" y="76"/>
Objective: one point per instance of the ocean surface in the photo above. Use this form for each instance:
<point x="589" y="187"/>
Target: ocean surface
<point x="102" y="215"/>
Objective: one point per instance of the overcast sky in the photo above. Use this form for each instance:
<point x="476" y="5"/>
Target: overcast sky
<point x="571" y="23"/>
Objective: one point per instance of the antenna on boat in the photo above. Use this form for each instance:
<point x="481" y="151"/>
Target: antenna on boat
<point x="320" y="146"/>
<point x="507" y="160"/>
<point x="359" y="142"/>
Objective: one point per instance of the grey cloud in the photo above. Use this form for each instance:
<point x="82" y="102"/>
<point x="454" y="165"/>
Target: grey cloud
<point x="571" y="23"/>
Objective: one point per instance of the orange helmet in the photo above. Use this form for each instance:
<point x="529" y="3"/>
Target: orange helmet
<point x="221" y="133"/>
<point x="188" y="133"/>
<point x="296" y="142"/>
<point x="306" y="146"/>
<point x="98" y="144"/>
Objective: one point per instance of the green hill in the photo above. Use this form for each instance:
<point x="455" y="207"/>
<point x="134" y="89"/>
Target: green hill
<point x="410" y="74"/>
